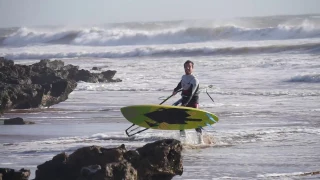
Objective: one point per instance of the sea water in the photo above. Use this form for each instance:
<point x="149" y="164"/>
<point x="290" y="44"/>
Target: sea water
<point x="263" y="74"/>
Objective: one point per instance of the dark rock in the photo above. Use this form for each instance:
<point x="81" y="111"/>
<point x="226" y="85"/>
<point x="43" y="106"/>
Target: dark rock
<point x="55" y="65"/>
<point x="158" y="160"/>
<point x="16" y="121"/>
<point x="11" y="174"/>
<point x="96" y="68"/>
<point x="5" y="62"/>
<point x="20" y="96"/>
<point x="23" y="87"/>
<point x="34" y="95"/>
<point x="108" y="74"/>
<point x="57" y="92"/>
<point x="118" y="170"/>
<point x="68" y="72"/>
<point x="85" y="75"/>
<point x="53" y="169"/>
<point x="89" y="171"/>
<point x="17" y="74"/>
<point x="94" y="155"/>
<point x="42" y="84"/>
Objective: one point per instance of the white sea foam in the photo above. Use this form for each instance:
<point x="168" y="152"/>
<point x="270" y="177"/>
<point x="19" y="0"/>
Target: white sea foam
<point x="127" y="86"/>
<point x="188" y="50"/>
<point x="293" y="175"/>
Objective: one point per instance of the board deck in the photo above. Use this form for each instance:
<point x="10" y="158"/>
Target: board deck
<point x="168" y="117"/>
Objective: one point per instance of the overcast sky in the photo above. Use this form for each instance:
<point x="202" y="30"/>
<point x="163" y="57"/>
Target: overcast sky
<point x="81" y="12"/>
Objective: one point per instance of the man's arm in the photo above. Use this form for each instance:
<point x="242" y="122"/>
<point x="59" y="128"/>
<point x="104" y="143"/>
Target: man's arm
<point x="177" y="88"/>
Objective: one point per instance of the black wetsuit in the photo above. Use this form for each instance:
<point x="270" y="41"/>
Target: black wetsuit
<point x="190" y="90"/>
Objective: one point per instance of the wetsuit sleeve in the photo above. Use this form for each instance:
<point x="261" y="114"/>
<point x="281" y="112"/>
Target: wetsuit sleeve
<point x="178" y="87"/>
<point x="194" y="87"/>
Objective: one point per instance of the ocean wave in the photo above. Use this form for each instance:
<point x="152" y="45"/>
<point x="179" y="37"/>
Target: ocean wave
<point x="116" y="36"/>
<point x="311" y="78"/>
<point x="164" y="51"/>
<point x="25" y="36"/>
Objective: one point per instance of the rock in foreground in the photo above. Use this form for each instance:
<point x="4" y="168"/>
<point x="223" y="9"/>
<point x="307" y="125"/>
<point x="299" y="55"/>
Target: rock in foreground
<point x="160" y="160"/>
<point x="11" y="174"/>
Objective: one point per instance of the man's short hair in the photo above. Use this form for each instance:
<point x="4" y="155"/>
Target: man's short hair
<point x="187" y="62"/>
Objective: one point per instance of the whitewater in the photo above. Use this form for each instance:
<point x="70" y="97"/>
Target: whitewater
<point x="262" y="72"/>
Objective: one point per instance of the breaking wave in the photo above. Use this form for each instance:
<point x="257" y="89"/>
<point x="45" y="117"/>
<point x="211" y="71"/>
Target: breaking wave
<point x="118" y="36"/>
<point x="162" y="51"/>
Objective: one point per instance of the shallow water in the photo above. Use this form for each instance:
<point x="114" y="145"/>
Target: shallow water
<point x="252" y="140"/>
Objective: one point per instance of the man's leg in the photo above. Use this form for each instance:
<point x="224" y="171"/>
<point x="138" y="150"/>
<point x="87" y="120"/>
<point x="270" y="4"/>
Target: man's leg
<point x="196" y="106"/>
<point x="198" y="130"/>
<point x="182" y="132"/>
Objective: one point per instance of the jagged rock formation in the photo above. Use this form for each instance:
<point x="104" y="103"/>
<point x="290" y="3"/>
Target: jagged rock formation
<point x="42" y="84"/>
<point x="160" y="160"/>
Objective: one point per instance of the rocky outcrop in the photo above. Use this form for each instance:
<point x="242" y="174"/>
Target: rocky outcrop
<point x="158" y="160"/>
<point x="16" y="121"/>
<point x="42" y="84"/>
<point x="11" y="174"/>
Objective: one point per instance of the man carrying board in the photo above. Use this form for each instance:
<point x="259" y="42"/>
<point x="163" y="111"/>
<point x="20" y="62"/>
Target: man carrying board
<point x="190" y="90"/>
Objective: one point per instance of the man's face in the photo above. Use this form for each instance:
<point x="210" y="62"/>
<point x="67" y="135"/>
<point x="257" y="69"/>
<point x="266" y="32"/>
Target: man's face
<point x="188" y="68"/>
